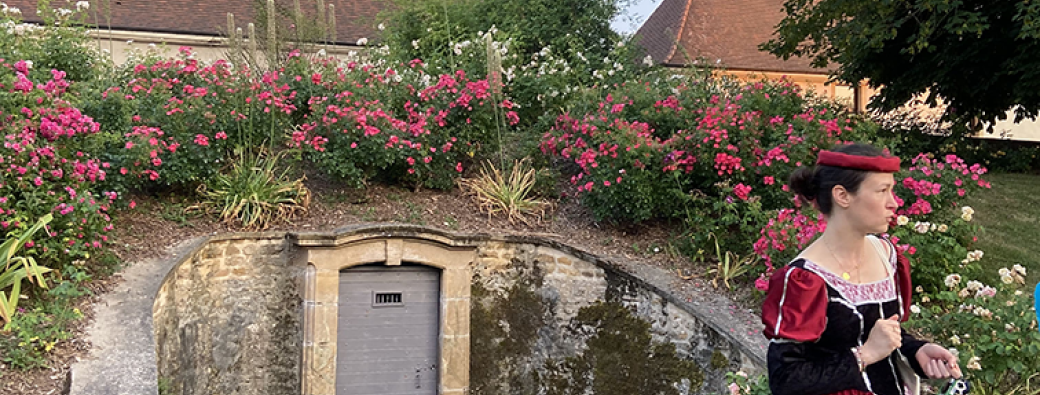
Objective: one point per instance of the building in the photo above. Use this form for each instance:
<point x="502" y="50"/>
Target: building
<point x="726" y="34"/>
<point x="200" y="24"/>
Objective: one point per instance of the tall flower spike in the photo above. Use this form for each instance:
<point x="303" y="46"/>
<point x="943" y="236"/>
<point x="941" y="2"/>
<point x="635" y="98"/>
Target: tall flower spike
<point x="252" y="38"/>
<point x="494" y="66"/>
<point x="320" y="21"/>
<point x="297" y="14"/>
<point x="272" y="43"/>
<point x="231" y="29"/>
<point x="332" y="22"/>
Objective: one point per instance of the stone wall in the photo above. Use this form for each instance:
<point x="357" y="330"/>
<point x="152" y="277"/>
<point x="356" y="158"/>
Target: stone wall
<point x="520" y="315"/>
<point x="227" y="320"/>
<point x="574" y="303"/>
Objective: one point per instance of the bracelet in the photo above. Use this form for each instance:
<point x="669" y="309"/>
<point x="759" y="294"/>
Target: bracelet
<point x="859" y="359"/>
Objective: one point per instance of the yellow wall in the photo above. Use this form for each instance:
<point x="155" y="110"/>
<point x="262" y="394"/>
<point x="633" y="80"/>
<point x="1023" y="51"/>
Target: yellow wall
<point x="813" y="82"/>
<point x="121" y="42"/>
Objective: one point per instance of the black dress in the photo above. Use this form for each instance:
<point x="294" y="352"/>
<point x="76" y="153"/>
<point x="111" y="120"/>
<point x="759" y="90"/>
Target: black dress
<point x="814" y="319"/>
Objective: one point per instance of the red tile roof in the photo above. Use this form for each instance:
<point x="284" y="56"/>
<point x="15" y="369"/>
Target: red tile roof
<point x="354" y="18"/>
<point x="680" y="31"/>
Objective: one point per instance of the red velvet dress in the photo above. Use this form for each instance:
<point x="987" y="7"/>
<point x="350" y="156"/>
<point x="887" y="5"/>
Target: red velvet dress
<point x="814" y="319"/>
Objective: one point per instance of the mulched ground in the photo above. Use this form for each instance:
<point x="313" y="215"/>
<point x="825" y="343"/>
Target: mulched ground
<point x="159" y="222"/>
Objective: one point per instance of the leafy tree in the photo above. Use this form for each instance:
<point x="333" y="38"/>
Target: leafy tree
<point x="981" y="57"/>
<point x="430" y="27"/>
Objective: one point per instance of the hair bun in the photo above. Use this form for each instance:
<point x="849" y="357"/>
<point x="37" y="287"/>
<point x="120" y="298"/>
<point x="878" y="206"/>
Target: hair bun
<point x="803" y="183"/>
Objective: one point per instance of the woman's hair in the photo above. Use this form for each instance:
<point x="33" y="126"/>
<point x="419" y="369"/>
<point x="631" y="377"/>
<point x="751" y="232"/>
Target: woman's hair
<point x="814" y="184"/>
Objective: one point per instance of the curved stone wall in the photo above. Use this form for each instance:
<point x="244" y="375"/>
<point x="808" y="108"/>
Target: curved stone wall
<point x="253" y="314"/>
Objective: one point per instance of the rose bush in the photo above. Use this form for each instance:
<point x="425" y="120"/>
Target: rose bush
<point x="42" y="170"/>
<point x="993" y="329"/>
<point x="710" y="151"/>
<point x="400" y="123"/>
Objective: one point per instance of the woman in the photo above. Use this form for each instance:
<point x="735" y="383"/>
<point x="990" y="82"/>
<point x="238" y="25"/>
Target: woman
<point x="832" y="315"/>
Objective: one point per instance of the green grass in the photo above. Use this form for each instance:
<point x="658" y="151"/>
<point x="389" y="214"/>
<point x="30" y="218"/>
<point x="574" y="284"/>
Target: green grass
<point x="1010" y="214"/>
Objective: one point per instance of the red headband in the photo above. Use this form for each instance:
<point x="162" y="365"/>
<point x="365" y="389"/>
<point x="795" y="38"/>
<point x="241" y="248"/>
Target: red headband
<point x="883" y="164"/>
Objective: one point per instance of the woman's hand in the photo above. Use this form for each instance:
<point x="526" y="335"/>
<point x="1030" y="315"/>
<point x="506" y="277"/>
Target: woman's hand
<point x="938" y="362"/>
<point x="884" y="338"/>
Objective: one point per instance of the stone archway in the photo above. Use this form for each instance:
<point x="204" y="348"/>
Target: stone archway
<point x="324" y="259"/>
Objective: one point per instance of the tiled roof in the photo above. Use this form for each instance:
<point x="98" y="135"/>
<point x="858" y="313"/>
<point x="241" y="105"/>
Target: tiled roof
<point x="354" y="18"/>
<point x="719" y="30"/>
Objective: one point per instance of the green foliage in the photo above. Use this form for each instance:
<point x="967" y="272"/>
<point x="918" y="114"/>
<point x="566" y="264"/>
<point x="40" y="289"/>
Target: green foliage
<point x="60" y="43"/>
<point x="18" y="268"/>
<point x="977" y="56"/>
<point x="27" y="340"/>
<point x="993" y="329"/>
<point x="713" y="152"/>
<point x="741" y="384"/>
<point x="568" y="26"/>
<point x="253" y="194"/>
<point x="730" y="265"/>
<point x="512" y="194"/>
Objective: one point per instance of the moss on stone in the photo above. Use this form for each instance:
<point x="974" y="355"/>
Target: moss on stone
<point x="503" y="331"/>
<point x="621" y="358"/>
<point x="719" y="360"/>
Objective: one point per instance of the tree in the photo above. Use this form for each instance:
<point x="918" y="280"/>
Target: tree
<point x="426" y="28"/>
<point x="980" y="57"/>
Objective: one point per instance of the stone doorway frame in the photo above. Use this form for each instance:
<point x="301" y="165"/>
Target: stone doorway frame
<point x="323" y="258"/>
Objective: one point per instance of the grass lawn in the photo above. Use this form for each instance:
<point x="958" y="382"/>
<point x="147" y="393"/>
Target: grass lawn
<point x="1010" y="214"/>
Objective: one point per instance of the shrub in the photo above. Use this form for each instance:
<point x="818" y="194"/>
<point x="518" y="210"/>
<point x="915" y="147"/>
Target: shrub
<point x="993" y="329"/>
<point x="424" y="132"/>
<point x="18" y="268"/>
<point x="253" y="194"/>
<point x="510" y="194"/>
<point x="44" y="172"/>
<point x="741" y="384"/>
<point x="60" y="42"/>
<point x="185" y="118"/>
<point x="712" y="152"/>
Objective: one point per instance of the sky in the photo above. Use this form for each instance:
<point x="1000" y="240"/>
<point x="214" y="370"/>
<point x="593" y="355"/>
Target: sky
<point x="633" y="15"/>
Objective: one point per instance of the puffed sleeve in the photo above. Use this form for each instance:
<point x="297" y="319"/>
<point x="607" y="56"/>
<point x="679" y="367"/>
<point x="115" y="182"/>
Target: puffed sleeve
<point x="796" y="305"/>
<point x="795" y="316"/>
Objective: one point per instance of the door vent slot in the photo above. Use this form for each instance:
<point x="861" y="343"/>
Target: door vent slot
<point x="387" y="299"/>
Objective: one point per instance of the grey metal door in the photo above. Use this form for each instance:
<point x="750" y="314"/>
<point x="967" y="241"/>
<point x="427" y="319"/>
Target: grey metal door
<point x="388" y="331"/>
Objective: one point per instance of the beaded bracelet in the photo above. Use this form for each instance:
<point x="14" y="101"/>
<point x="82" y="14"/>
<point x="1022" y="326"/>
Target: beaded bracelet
<point x="859" y="359"/>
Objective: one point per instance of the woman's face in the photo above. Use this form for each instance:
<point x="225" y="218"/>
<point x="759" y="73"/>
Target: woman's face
<point x="873" y="206"/>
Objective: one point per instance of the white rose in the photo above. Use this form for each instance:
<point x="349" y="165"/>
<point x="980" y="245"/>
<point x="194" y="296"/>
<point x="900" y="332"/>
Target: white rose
<point x="943" y="228"/>
<point x="955" y="340"/>
<point x="915" y="309"/>
<point x="967" y="210"/>
<point x="902" y="220"/>
<point x="966" y="217"/>
<point x="1004" y="272"/>
<point x="1018" y="268"/>
<point x="952" y="280"/>
<point x="922" y="227"/>
<point x="1007" y="279"/>
<point x="974" y="363"/>
<point x="974" y="285"/>
<point x="381" y="27"/>
<point x="362" y="41"/>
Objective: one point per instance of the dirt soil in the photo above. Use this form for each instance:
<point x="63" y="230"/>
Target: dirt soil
<point x="160" y="221"/>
